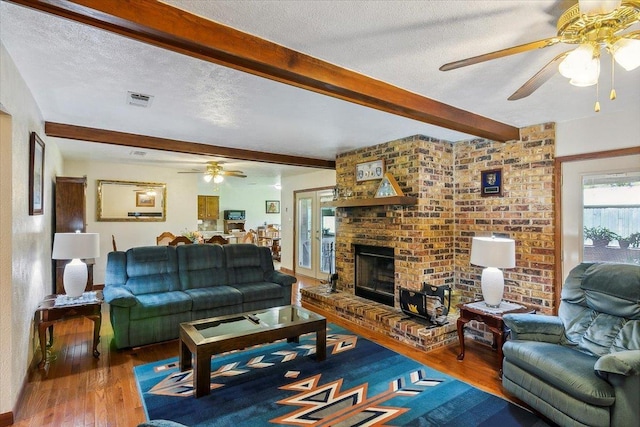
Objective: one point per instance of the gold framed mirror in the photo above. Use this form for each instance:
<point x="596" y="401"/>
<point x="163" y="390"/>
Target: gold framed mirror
<point x="131" y="201"/>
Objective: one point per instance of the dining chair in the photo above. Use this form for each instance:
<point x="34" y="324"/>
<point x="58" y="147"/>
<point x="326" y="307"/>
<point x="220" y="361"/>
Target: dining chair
<point x="180" y="240"/>
<point x="164" y="238"/>
<point x="217" y="239"/>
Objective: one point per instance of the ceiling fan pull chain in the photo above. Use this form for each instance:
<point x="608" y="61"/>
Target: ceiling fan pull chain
<point x="612" y="95"/>
<point x="597" y="107"/>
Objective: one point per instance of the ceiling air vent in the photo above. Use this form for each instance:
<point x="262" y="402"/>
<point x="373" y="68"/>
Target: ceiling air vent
<point x="139" y="99"/>
<point x="137" y="153"/>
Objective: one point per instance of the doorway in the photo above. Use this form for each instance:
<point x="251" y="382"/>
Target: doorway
<point x="315" y="234"/>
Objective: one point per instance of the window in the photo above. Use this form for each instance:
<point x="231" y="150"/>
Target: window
<point x="611" y="217"/>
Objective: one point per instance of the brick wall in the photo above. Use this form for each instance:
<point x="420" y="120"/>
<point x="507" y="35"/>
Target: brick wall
<point x="432" y="239"/>
<point x="421" y="235"/>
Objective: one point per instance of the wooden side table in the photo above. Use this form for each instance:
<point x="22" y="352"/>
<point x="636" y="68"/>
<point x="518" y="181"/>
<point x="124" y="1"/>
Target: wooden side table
<point x="490" y="317"/>
<point x="47" y="314"/>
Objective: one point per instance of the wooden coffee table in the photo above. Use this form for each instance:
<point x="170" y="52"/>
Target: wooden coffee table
<point x="201" y="339"/>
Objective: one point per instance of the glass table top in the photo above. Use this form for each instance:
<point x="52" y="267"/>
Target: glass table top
<point x="254" y="321"/>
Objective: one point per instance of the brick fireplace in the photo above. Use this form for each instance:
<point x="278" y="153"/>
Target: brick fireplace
<point x="431" y="239"/>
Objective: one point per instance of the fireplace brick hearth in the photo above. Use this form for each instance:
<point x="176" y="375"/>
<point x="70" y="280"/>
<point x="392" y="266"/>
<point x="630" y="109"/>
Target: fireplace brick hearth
<point x="381" y="318"/>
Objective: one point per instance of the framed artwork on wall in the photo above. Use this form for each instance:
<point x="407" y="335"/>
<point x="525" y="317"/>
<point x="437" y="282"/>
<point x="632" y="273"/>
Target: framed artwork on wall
<point x="370" y="170"/>
<point x="36" y="175"/>
<point x="145" y="200"/>
<point x="491" y="183"/>
<point x="272" y="206"/>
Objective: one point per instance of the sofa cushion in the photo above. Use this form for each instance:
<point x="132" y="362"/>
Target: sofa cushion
<point x="242" y="255"/>
<point x="160" y="304"/>
<point x="152" y="269"/>
<point x="216" y="296"/>
<point x="613" y="289"/>
<point x="201" y="266"/>
<point x="258" y="291"/>
<point x="563" y="368"/>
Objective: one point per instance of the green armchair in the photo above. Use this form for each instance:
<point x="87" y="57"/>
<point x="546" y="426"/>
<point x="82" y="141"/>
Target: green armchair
<point x="582" y="367"/>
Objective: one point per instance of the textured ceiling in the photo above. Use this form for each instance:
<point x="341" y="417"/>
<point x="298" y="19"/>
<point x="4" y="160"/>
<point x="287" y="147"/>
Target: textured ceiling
<point x="80" y="75"/>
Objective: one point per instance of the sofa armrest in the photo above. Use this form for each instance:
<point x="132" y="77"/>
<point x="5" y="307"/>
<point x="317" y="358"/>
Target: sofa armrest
<point x="626" y="362"/>
<point x="279" y="278"/>
<point x="534" y="327"/>
<point x="119" y="296"/>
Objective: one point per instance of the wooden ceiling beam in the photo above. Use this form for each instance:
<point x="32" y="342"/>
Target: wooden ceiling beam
<point x="165" y="26"/>
<point x="80" y="133"/>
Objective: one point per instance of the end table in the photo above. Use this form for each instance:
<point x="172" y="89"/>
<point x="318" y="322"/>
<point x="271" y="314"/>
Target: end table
<point x="47" y="314"/>
<point x="492" y="317"/>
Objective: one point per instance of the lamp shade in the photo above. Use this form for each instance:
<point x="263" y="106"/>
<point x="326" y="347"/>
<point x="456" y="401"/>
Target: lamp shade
<point x="76" y="245"/>
<point x="493" y="252"/>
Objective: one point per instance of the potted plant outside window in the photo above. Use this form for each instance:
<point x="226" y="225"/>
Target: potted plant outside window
<point x="632" y="240"/>
<point x="600" y="236"/>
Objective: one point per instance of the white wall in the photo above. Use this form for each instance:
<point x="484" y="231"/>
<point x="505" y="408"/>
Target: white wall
<point x="599" y="132"/>
<point x="181" y="203"/>
<point x="319" y="179"/>
<point x="29" y="237"/>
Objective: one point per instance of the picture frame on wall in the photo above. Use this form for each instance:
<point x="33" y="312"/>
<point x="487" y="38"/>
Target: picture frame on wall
<point x="491" y="183"/>
<point x="144" y="200"/>
<point x="272" y="206"/>
<point x="36" y="175"/>
<point x="370" y="170"/>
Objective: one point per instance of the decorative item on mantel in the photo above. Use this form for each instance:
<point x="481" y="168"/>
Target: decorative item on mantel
<point x="493" y="253"/>
<point x="75" y="246"/>
<point x="388" y="187"/>
<point x="369" y="170"/>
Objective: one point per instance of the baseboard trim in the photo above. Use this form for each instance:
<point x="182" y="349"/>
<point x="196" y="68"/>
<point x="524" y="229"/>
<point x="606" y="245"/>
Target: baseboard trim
<point x="6" y="419"/>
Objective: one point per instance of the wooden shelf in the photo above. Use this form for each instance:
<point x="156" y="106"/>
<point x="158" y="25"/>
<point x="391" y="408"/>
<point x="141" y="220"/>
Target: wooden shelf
<point x="377" y="201"/>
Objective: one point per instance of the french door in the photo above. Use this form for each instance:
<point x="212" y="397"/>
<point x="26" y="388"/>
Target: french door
<point x="315" y="234"/>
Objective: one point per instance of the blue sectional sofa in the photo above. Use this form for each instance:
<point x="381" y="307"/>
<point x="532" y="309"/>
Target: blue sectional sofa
<point x="151" y="290"/>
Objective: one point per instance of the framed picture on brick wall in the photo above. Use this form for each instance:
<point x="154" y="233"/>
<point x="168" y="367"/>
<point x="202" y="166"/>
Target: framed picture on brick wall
<point x="491" y="184"/>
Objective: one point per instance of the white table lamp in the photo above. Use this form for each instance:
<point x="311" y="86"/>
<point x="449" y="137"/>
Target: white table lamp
<point x="493" y="253"/>
<point x="75" y="246"/>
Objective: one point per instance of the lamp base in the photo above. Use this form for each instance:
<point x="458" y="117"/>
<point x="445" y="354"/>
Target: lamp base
<point x="492" y="286"/>
<point x="75" y="278"/>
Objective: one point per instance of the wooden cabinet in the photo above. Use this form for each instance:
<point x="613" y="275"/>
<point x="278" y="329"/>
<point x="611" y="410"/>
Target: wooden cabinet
<point x="71" y="216"/>
<point x="208" y="207"/>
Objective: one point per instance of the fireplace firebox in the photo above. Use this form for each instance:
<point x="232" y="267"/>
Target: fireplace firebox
<point x="375" y="273"/>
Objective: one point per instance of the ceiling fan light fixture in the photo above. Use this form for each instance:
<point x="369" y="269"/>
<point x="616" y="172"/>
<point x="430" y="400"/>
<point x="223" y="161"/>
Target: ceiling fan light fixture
<point x="578" y="61"/>
<point x="207" y="177"/>
<point x="626" y="52"/>
<point x="598" y="7"/>
<point x="218" y="179"/>
<point x="587" y="76"/>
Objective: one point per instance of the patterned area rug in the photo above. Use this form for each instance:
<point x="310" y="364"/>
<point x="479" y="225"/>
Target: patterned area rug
<point x="360" y="384"/>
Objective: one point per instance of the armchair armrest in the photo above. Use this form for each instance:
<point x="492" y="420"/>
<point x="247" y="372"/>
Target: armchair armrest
<point x="279" y="278"/>
<point x="119" y="296"/>
<point x="625" y="363"/>
<point x="534" y="327"/>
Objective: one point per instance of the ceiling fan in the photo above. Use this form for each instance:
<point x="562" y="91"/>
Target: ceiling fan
<point x="217" y="173"/>
<point x="593" y="25"/>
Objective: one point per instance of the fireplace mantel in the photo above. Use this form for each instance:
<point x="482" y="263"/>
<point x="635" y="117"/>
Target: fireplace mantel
<point x="375" y="201"/>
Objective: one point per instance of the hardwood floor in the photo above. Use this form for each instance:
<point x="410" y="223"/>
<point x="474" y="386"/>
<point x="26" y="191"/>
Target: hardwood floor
<point x="76" y="389"/>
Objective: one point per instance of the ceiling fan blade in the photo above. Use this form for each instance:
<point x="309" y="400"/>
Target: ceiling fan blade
<point x="228" y="171"/>
<point x="237" y="175"/>
<point x="500" y="53"/>
<point x="192" y="172"/>
<point x="539" y="78"/>
<point x="631" y="35"/>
